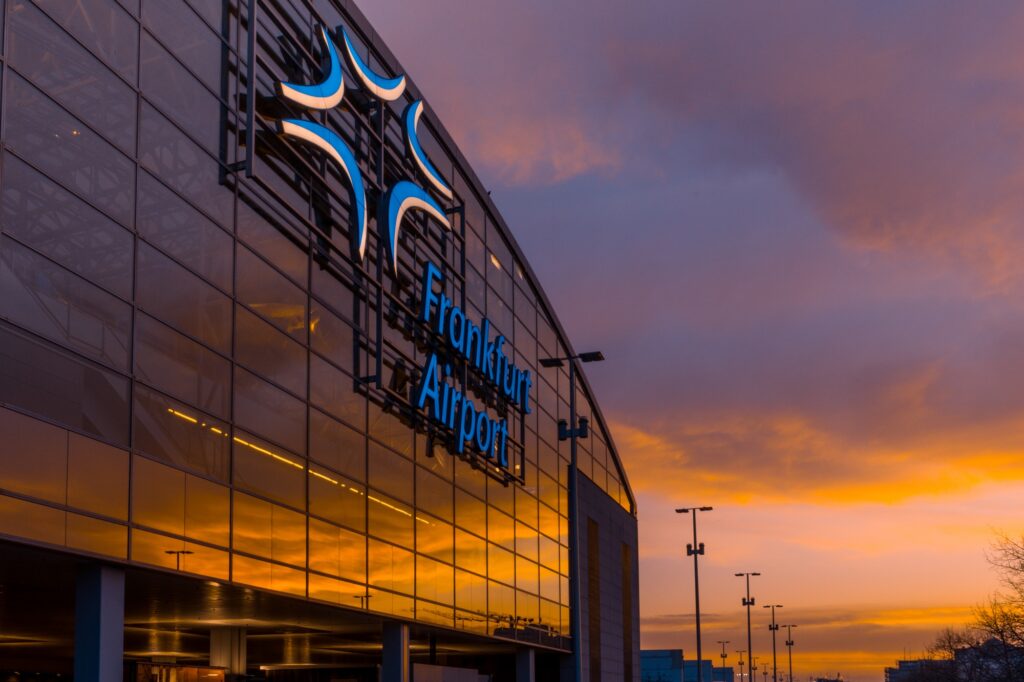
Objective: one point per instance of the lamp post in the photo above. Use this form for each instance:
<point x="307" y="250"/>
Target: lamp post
<point x="572" y="431"/>
<point x="774" y="627"/>
<point x="696" y="550"/>
<point x="753" y="667"/>
<point x="789" y="645"/>
<point x="723" y="655"/>
<point x="748" y="601"/>
<point x="177" y="556"/>
<point x="740" y="653"/>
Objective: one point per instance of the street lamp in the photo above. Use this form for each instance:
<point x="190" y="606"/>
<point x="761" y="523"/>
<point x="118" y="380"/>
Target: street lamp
<point x="774" y="628"/>
<point x="571" y="432"/>
<point x="748" y="601"/>
<point x="177" y="556"/>
<point x="740" y="652"/>
<point x="789" y="645"/>
<point x="695" y="550"/>
<point x="723" y="654"/>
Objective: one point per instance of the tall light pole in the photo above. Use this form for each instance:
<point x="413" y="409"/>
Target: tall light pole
<point x="774" y="627"/>
<point x="723" y="655"/>
<point x="753" y="667"/>
<point x="748" y="601"/>
<point x="572" y="431"/>
<point x="695" y="550"/>
<point x="789" y="645"/>
<point x="740" y="652"/>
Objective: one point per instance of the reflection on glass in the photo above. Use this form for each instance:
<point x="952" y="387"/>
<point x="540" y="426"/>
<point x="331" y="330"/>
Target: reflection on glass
<point x="336" y="392"/>
<point x="391" y="568"/>
<point x="33" y="457"/>
<point x="269" y="471"/>
<point x="390" y="519"/>
<point x="501" y="528"/>
<point x="337" y="591"/>
<point x="271" y="295"/>
<point x="180" y="435"/>
<point x="336" y="445"/>
<point x="470" y="513"/>
<point x="268" y="352"/>
<point x="31" y="521"/>
<point x="434" y="494"/>
<point x="207" y="511"/>
<point x="434" y="580"/>
<point x="337" y="499"/>
<point x="526" y="575"/>
<point x="158" y="496"/>
<point x="268" y="530"/>
<point x="337" y="551"/>
<point x="269" y="411"/>
<point x="99" y="537"/>
<point x="434" y="538"/>
<point x="331" y="336"/>
<point x="391" y="472"/>
<point x="501" y="564"/>
<point x="97" y="477"/>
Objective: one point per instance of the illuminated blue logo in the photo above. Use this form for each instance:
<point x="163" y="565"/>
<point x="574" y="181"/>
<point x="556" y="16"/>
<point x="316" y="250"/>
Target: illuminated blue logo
<point x="328" y="94"/>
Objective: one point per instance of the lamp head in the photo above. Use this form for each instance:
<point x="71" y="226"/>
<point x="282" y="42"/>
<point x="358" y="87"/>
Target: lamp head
<point x="551" y="362"/>
<point x="592" y="356"/>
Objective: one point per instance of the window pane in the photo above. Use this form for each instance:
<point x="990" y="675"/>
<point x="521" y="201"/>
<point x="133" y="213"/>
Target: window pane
<point x="336" y="392"/>
<point x="333" y="444"/>
<point x="181" y="367"/>
<point x="32" y="521"/>
<point x="265" y="237"/>
<point x="181" y="29"/>
<point x="180" y="435"/>
<point x="434" y="538"/>
<point x="271" y="295"/>
<point x="40" y="50"/>
<point x="434" y="581"/>
<point x="103" y="27"/>
<point x="49" y="300"/>
<point x="266" y="469"/>
<point x="158" y="496"/>
<point x="60" y="146"/>
<point x="169" y="292"/>
<point x="391" y="473"/>
<point x="269" y="411"/>
<point x="337" y="499"/>
<point x="183" y="232"/>
<point x="434" y="494"/>
<point x="470" y="513"/>
<point x="56" y="223"/>
<point x="42" y="379"/>
<point x="391" y="568"/>
<point x="33" y="456"/>
<point x="265" y="350"/>
<point x="97" y="477"/>
<point x="331" y="336"/>
<point x="390" y="519"/>
<point x="98" y="537"/>
<point x="207" y="510"/>
<point x="337" y="551"/>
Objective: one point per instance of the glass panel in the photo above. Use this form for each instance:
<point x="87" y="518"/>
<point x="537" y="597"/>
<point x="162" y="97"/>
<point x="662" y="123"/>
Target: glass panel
<point x="180" y="435"/>
<point x="42" y="379"/>
<point x="501" y="564"/>
<point x="390" y="519"/>
<point x="169" y="292"/>
<point x="271" y="295"/>
<point x="56" y="223"/>
<point x="391" y="473"/>
<point x="60" y="146"/>
<point x="181" y="367"/>
<point x="103" y="27"/>
<point x="158" y="496"/>
<point x="434" y="538"/>
<point x="501" y="608"/>
<point x="336" y="392"/>
<point x="98" y="537"/>
<point x="97" y="477"/>
<point x="501" y="528"/>
<point x="40" y="50"/>
<point x="391" y="568"/>
<point x="256" y="230"/>
<point x="526" y="574"/>
<point x="250" y="525"/>
<point x="270" y="471"/>
<point x="434" y="494"/>
<point x="47" y="299"/>
<point x="176" y="554"/>
<point x="337" y="446"/>
<point x="337" y="551"/>
<point x="32" y="521"/>
<point x="33" y="456"/>
<point x="331" y="336"/>
<point x="548" y="584"/>
<point x="181" y="29"/>
<point x="470" y="592"/>
<point x="470" y="513"/>
<point x="183" y="232"/>
<point x="182" y="164"/>
<point x="337" y="591"/>
<point x="207" y="511"/>
<point x="265" y="350"/>
<point x="337" y="499"/>
<point x="434" y="581"/>
<point x="470" y="552"/>
<point x="526" y="541"/>
<point x="182" y="97"/>
<point x="269" y="411"/>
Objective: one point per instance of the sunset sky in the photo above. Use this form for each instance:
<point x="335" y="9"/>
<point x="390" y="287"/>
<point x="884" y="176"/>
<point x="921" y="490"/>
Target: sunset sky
<point x="795" y="231"/>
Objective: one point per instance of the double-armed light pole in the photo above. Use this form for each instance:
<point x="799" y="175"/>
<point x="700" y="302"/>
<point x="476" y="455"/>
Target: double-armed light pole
<point x="789" y="645"/>
<point x="748" y="601"/>
<point x="774" y="627"/>
<point x="740" y="653"/>
<point x="695" y="550"/>
<point x="723" y="655"/>
<point x="572" y="431"/>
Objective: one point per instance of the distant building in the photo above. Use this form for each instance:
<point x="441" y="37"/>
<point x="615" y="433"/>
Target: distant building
<point x="920" y="670"/>
<point x="668" y="665"/>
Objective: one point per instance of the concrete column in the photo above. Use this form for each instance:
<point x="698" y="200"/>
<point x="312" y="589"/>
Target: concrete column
<point x="99" y="624"/>
<point x="395" y="666"/>
<point x="227" y="650"/>
<point x="526" y="666"/>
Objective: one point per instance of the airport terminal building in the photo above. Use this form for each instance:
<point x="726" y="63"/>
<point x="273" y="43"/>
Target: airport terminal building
<point x="280" y="398"/>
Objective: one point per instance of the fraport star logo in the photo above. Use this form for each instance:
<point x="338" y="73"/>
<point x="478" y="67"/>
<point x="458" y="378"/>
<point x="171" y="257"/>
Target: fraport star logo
<point x="447" y="404"/>
<point x="404" y="195"/>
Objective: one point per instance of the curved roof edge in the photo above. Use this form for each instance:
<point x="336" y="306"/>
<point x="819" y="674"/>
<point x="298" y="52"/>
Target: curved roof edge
<point x="376" y="42"/>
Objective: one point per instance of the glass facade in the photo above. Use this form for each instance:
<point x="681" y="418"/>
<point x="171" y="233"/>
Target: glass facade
<point x="195" y="372"/>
